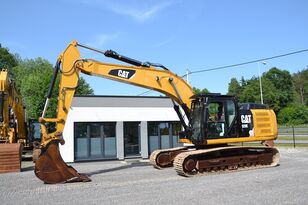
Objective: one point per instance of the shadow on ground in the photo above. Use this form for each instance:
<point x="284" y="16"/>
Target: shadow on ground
<point x="31" y="168"/>
<point x="128" y="166"/>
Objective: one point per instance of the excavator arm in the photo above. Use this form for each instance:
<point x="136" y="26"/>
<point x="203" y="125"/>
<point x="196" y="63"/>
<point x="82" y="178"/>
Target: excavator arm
<point x="19" y="112"/>
<point x="12" y="115"/>
<point x="147" y="75"/>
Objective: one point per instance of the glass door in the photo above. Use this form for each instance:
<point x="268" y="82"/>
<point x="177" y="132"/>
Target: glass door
<point x="163" y="135"/>
<point x="95" y="140"/>
<point x="131" y="139"/>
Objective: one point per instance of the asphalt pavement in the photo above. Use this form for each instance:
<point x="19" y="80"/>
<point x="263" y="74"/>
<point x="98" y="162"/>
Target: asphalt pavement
<point x="135" y="182"/>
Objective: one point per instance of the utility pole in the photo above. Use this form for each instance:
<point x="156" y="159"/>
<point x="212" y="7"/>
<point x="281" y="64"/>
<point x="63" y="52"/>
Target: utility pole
<point x="260" y="81"/>
<point x="187" y="75"/>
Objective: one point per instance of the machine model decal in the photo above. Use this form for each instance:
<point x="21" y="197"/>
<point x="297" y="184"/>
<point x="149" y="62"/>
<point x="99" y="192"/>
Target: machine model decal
<point x="246" y="119"/>
<point x="122" y="73"/>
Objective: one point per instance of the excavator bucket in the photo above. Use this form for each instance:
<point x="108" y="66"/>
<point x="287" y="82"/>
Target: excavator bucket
<point x="51" y="169"/>
<point x="10" y="157"/>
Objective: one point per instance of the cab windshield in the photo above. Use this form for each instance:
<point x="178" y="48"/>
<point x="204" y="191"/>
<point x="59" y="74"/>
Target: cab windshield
<point x="197" y="121"/>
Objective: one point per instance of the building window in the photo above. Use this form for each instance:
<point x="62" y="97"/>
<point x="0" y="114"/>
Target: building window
<point x="81" y="141"/>
<point x="95" y="140"/>
<point x="154" y="140"/>
<point x="109" y="132"/>
<point x="175" y="129"/>
<point x="163" y="135"/>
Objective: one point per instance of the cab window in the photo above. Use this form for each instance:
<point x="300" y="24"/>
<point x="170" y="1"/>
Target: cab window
<point x="216" y="120"/>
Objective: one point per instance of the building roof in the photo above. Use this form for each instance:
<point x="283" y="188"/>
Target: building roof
<point x="120" y="101"/>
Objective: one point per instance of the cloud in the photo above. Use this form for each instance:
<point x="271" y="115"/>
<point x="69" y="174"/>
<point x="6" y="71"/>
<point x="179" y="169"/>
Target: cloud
<point x="136" y="10"/>
<point x="103" y="39"/>
<point x="139" y="14"/>
<point x="162" y="43"/>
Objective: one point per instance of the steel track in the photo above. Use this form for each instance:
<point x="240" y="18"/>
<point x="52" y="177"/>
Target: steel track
<point x="198" y="162"/>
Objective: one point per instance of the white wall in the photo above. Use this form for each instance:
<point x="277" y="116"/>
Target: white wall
<point x="109" y="114"/>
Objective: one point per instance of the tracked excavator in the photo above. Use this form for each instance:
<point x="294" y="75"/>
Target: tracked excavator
<point x="13" y="131"/>
<point x="211" y="122"/>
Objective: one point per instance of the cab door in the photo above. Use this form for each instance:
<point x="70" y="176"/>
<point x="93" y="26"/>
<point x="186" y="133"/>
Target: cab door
<point x="220" y="118"/>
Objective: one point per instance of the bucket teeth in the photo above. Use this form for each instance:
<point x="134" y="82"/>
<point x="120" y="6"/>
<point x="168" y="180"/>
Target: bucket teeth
<point x="51" y="169"/>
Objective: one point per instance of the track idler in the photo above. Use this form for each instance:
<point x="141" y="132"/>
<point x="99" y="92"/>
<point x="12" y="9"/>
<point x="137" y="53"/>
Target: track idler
<point x="51" y="169"/>
<point x="164" y="158"/>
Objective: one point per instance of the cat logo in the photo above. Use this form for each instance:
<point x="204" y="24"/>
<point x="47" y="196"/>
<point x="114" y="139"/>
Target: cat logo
<point x="122" y="73"/>
<point x="246" y="118"/>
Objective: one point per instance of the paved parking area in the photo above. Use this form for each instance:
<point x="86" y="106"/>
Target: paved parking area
<point x="135" y="182"/>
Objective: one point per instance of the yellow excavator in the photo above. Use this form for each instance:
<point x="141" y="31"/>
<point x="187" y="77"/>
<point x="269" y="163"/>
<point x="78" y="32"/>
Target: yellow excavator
<point x="211" y="123"/>
<point x="13" y="130"/>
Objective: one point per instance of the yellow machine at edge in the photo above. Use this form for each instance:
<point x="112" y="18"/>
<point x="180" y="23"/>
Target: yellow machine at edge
<point x="13" y="133"/>
<point x="211" y="122"/>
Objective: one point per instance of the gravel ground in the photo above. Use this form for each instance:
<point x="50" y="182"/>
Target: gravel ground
<point x="135" y="182"/>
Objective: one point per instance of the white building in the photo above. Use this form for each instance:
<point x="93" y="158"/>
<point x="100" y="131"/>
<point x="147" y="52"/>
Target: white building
<point x="118" y="127"/>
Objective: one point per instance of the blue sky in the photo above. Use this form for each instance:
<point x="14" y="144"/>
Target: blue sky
<point x="194" y="35"/>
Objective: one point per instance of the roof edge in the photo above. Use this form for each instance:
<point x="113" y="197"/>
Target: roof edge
<point x="119" y="96"/>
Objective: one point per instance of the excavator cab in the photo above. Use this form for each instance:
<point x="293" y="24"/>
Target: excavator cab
<point x="34" y="138"/>
<point x="220" y="118"/>
<point x="34" y="132"/>
<point x="214" y="116"/>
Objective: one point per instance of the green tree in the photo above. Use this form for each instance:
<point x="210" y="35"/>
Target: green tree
<point x="270" y="97"/>
<point x="199" y="91"/>
<point x="251" y="92"/>
<point x="293" y="115"/>
<point x="300" y="80"/>
<point x="277" y="89"/>
<point x="243" y="82"/>
<point x="282" y="81"/>
<point x="234" y="87"/>
<point x="7" y="60"/>
<point x="83" y="88"/>
<point x="32" y="78"/>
